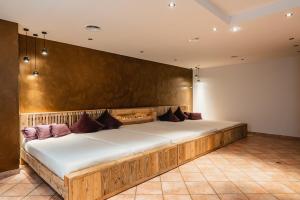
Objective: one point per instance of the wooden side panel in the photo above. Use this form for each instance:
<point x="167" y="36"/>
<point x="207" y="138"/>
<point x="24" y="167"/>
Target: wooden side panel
<point x="87" y="187"/>
<point x="123" y="174"/>
<point x="187" y="151"/>
<point x="218" y="140"/>
<point x="54" y="181"/>
<point x="235" y="134"/>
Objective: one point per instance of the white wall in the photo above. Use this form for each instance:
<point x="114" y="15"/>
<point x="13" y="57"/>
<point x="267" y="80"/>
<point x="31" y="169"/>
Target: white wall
<point x="265" y="95"/>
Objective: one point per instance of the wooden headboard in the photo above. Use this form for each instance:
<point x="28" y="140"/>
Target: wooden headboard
<point x="127" y="116"/>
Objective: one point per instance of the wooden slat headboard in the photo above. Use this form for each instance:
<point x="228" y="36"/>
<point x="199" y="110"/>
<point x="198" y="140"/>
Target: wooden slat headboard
<point x="162" y="109"/>
<point x="127" y="116"/>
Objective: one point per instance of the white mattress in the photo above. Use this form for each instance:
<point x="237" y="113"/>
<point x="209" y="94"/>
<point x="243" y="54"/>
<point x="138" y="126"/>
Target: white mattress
<point x="179" y="131"/>
<point x="78" y="151"/>
<point x="73" y="152"/>
<point x="207" y="124"/>
<point x="133" y="142"/>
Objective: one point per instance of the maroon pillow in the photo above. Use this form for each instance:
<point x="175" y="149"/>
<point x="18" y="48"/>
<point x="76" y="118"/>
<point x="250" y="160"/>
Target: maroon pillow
<point x="29" y="134"/>
<point x="195" y="116"/>
<point x="86" y="125"/>
<point x="168" y="116"/>
<point x="179" y="114"/>
<point x="109" y="121"/>
<point x="43" y="132"/>
<point x="58" y="130"/>
<point x="186" y="115"/>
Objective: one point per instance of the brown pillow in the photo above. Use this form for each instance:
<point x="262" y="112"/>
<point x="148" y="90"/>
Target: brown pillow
<point x="109" y="121"/>
<point x="195" y="116"/>
<point x="168" y="116"/>
<point x="86" y="125"/>
<point x="179" y="114"/>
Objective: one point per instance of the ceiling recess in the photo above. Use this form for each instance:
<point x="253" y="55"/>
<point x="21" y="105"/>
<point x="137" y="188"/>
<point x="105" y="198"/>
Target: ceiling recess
<point x="92" y="28"/>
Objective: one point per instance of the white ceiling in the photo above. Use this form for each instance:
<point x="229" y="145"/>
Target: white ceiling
<point x="129" y="26"/>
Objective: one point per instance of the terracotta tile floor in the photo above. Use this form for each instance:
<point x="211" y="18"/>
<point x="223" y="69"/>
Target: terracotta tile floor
<point x="256" y="168"/>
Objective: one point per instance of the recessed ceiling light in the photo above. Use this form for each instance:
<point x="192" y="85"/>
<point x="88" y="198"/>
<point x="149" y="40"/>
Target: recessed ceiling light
<point x="196" y="39"/>
<point x="214" y="29"/>
<point x="172" y="4"/>
<point x="92" y="28"/>
<point x="235" y="29"/>
<point x="290" y="14"/>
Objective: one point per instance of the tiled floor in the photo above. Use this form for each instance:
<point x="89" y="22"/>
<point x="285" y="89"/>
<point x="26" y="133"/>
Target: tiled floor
<point x="256" y="168"/>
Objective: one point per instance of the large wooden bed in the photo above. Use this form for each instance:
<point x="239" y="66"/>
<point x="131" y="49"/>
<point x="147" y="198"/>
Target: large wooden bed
<point x="105" y="180"/>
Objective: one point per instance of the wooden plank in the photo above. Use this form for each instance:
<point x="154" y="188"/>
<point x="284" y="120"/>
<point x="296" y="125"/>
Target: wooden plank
<point x="191" y="149"/>
<point x="122" y="174"/>
<point x="47" y="175"/>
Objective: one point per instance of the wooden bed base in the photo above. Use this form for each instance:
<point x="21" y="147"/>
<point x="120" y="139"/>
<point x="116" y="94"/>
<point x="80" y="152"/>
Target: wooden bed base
<point x="105" y="180"/>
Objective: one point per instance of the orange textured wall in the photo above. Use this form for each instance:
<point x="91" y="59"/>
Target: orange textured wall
<point x="75" y="78"/>
<point x="9" y="105"/>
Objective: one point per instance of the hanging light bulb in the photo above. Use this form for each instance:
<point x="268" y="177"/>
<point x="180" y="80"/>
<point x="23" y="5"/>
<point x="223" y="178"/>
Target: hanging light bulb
<point x="198" y="74"/>
<point x="26" y="58"/>
<point x="44" y="50"/>
<point x="35" y="71"/>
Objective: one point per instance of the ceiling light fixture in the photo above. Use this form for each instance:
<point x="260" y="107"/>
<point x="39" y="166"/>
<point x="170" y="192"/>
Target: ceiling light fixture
<point x="44" y="50"/>
<point x="289" y="14"/>
<point x="235" y="29"/>
<point x="26" y="58"/>
<point x="35" y="72"/>
<point x="196" y="39"/>
<point x="92" y="28"/>
<point x="214" y="29"/>
<point x="172" y="4"/>
<point x="197" y="73"/>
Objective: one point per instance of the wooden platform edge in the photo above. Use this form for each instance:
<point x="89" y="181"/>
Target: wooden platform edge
<point x="108" y="179"/>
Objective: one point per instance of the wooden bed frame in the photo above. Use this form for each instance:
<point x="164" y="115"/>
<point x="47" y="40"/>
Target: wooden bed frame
<point x="106" y="180"/>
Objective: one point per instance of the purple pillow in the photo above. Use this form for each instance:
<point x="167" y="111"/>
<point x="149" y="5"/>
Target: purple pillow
<point x="109" y="121"/>
<point x="186" y="115"/>
<point x="59" y="130"/>
<point x="86" y="125"/>
<point x="29" y="134"/>
<point x="195" y="116"/>
<point x="168" y="116"/>
<point x="179" y="114"/>
<point x="43" y="131"/>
